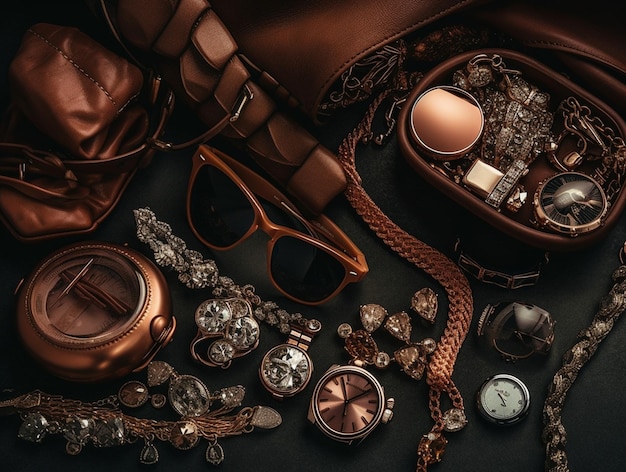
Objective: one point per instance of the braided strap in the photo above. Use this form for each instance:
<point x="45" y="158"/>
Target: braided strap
<point x="554" y="434"/>
<point x="439" y="267"/>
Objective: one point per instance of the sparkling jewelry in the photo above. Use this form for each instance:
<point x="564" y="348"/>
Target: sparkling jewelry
<point x="230" y="320"/>
<point x="440" y="366"/>
<point x="517" y="121"/>
<point x="554" y="434"/>
<point x="134" y="394"/>
<point x="230" y="327"/>
<point x="425" y="303"/>
<point x="103" y="424"/>
<point x="287" y="368"/>
<point x="412" y="357"/>
<point x="596" y="142"/>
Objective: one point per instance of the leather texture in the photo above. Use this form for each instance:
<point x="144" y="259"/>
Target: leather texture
<point x="198" y="57"/>
<point x="74" y="134"/>
<point x="304" y="47"/>
<point x="585" y="41"/>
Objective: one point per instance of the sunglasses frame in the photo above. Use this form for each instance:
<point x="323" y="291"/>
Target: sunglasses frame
<point x="339" y="245"/>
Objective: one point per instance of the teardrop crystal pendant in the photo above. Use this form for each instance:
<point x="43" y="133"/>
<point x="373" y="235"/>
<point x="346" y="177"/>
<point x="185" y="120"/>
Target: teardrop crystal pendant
<point x="149" y="454"/>
<point x="214" y="453"/>
<point x="412" y="359"/>
<point x="265" y="417"/>
<point x="425" y="304"/>
<point x="399" y="326"/>
<point x="361" y="346"/>
<point x="372" y="316"/>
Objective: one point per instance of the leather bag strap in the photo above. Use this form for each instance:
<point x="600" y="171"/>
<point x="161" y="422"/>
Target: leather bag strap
<point x="198" y="57"/>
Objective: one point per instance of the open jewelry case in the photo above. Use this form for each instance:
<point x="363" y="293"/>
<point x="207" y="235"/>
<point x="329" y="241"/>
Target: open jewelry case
<point x="520" y="145"/>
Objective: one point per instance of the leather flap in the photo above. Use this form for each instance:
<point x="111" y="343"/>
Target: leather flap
<point x="213" y="41"/>
<point x="306" y="46"/>
<point x="175" y="37"/>
<point x="197" y="78"/>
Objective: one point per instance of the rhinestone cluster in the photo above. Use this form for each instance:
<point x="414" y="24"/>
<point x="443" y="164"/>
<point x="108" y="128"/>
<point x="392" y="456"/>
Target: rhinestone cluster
<point x="231" y="327"/>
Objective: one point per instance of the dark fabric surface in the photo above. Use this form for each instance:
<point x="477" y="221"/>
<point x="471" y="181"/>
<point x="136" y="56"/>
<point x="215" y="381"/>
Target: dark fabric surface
<point x="570" y="288"/>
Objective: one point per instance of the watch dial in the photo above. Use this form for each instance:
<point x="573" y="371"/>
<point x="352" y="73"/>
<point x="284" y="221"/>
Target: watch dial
<point x="503" y="399"/>
<point x="86" y="294"/>
<point x="286" y="369"/>
<point x="571" y="202"/>
<point x="349" y="403"/>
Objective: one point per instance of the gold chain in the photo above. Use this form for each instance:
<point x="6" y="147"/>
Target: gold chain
<point x="434" y="263"/>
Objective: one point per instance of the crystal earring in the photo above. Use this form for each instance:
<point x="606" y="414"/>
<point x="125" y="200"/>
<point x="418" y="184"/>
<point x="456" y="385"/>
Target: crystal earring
<point x="412" y="357"/>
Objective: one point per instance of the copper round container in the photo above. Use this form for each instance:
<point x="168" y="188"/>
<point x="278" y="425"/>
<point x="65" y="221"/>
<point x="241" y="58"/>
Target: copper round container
<point x="93" y="311"/>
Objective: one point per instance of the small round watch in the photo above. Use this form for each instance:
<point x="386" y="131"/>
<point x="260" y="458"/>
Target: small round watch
<point x="348" y="403"/>
<point x="503" y="399"/>
<point x="570" y="203"/>
<point x="286" y="369"/>
<point x="94" y="310"/>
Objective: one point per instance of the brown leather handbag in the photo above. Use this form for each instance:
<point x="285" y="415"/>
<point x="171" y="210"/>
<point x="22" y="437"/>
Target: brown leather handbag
<point x="79" y="125"/>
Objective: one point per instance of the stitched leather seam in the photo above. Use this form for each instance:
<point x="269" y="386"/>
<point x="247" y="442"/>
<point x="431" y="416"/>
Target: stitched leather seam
<point x="77" y="67"/>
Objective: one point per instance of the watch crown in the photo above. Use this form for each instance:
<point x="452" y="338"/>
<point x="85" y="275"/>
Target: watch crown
<point x="388" y="413"/>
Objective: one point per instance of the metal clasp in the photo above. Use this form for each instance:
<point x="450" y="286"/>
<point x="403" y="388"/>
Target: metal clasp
<point x="244" y="97"/>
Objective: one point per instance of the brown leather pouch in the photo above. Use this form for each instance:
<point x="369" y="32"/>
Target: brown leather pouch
<point x="546" y="164"/>
<point x="77" y="129"/>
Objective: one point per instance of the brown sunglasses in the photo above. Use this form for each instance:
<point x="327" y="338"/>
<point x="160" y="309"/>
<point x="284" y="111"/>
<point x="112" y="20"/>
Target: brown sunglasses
<point x="309" y="260"/>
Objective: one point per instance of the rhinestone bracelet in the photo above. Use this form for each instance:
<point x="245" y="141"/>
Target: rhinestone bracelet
<point x="228" y="323"/>
<point x="554" y="434"/>
<point x="103" y="424"/>
<point x="196" y="272"/>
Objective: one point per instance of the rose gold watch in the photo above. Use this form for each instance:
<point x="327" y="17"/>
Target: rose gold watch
<point x="94" y="310"/>
<point x="348" y="402"/>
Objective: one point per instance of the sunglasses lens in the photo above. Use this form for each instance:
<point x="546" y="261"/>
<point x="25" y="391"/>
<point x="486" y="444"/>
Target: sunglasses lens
<point x="220" y="212"/>
<point x="304" y="271"/>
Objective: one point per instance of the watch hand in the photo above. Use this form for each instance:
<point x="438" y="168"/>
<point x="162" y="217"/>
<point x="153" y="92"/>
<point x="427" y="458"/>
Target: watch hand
<point x="359" y="395"/>
<point x="502" y="399"/>
<point x="75" y="279"/>
<point x="345" y="396"/>
<point x="95" y="294"/>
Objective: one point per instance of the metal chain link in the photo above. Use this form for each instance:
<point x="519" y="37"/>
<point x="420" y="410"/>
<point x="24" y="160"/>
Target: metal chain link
<point x="554" y="433"/>
<point x="434" y="263"/>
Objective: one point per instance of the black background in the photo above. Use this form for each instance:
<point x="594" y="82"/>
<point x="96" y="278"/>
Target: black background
<point x="570" y="288"/>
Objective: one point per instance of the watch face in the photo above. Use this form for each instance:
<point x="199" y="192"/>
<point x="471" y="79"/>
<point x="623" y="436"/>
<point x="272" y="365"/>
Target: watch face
<point x="503" y="399"/>
<point x="348" y="402"/>
<point x="286" y="370"/>
<point x="570" y="202"/>
<point x="93" y="310"/>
